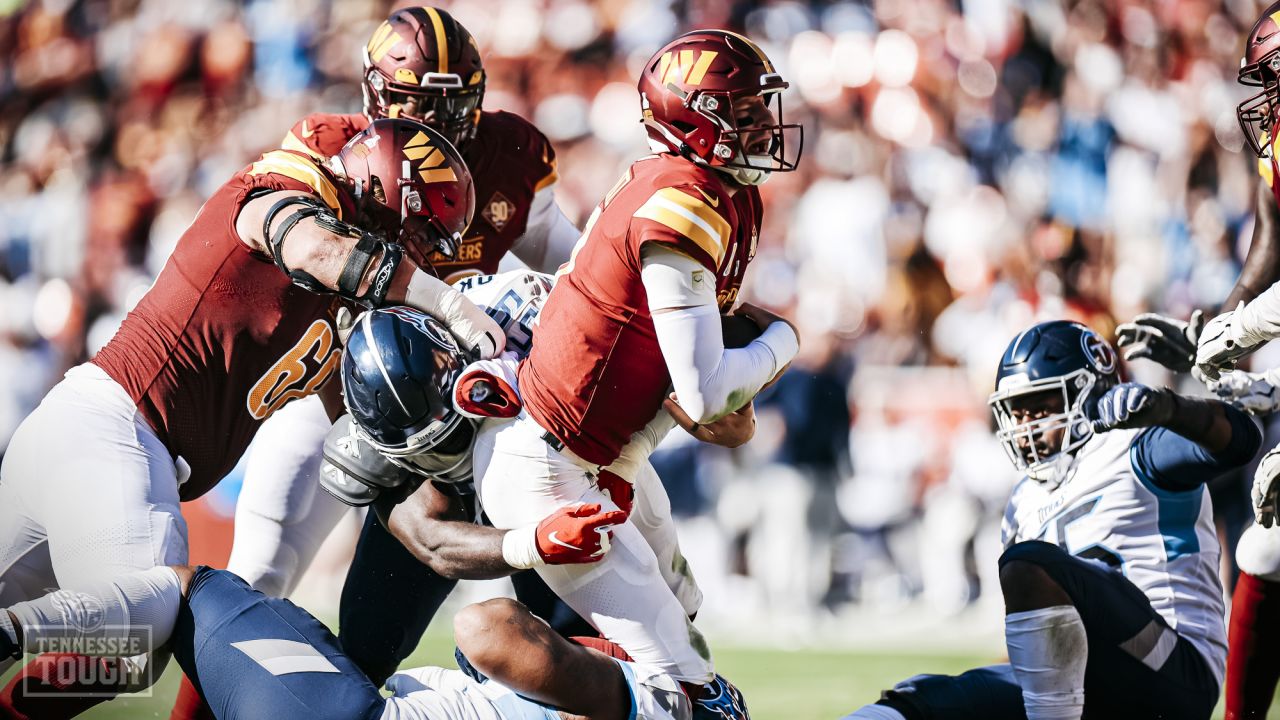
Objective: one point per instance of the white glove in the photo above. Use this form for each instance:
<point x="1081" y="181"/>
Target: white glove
<point x="1255" y="393"/>
<point x="474" y="330"/>
<point x="1221" y="344"/>
<point x="1265" y="488"/>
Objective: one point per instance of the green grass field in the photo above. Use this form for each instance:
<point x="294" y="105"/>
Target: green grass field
<point x="800" y="685"/>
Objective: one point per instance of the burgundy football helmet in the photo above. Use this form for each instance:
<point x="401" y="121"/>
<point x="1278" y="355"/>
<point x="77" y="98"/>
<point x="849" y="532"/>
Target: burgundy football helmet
<point x="1260" y="67"/>
<point x="409" y="181"/>
<point x="424" y="59"/>
<point x="689" y="92"/>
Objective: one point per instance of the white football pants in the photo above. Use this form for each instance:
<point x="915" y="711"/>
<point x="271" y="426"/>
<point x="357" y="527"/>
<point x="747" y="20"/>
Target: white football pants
<point x="282" y="515"/>
<point x="1258" y="552"/>
<point x="520" y="480"/>
<point x="87" y="492"/>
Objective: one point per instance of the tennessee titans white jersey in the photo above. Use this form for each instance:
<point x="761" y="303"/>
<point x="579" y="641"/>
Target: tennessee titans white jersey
<point x="433" y="693"/>
<point x="1162" y="540"/>
<point x="513" y="299"/>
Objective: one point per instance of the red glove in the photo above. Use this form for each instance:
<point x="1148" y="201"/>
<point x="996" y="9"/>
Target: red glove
<point x="621" y="492"/>
<point x="571" y="535"/>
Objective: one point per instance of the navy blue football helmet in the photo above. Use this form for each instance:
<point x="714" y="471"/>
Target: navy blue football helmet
<point x="398" y="372"/>
<point x="1051" y="360"/>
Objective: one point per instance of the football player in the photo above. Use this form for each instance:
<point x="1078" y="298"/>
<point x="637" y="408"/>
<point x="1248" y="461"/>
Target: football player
<point x="1113" y="604"/>
<point x="256" y="656"/>
<point x="415" y="406"/>
<point x="1253" y="662"/>
<point x="637" y="310"/>
<point x="240" y="321"/>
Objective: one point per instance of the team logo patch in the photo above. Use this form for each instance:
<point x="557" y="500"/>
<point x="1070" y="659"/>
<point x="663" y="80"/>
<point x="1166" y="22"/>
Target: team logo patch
<point x="499" y="211"/>
<point x="1099" y="352"/>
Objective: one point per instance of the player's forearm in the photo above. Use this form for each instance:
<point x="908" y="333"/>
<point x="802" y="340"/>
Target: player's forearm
<point x="1262" y="263"/>
<point x="454" y="549"/>
<point x="709" y="380"/>
<point x="1205" y="422"/>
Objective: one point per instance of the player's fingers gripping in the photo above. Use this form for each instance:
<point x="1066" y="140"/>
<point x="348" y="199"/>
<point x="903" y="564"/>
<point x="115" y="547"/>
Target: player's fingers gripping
<point x="1265" y="488"/>
<point x="576" y="534"/>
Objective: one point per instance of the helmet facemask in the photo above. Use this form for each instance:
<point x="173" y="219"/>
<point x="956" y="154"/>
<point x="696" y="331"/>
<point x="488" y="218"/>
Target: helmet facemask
<point x="441" y="101"/>
<point x="1257" y="114"/>
<point x="1044" y="445"/>
<point x="750" y="142"/>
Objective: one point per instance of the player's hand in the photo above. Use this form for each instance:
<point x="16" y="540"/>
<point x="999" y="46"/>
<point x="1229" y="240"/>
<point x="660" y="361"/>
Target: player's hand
<point x="621" y="492"/>
<point x="1165" y="340"/>
<point x="1265" y="488"/>
<point x="1130" y="405"/>
<point x="577" y="534"/>
<point x="731" y="431"/>
<point x="1220" y="345"/>
<point x="1252" y="392"/>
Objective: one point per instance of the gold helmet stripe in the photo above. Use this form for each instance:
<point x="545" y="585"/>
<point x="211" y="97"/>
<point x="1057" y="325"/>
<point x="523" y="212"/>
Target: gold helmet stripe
<point x="442" y="45"/>
<point x="768" y="66"/>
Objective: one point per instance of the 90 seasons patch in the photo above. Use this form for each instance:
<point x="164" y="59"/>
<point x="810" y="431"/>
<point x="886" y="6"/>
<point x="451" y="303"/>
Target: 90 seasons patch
<point x="499" y="211"/>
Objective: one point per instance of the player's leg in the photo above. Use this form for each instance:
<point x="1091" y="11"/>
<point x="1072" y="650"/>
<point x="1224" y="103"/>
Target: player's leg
<point x="1136" y="666"/>
<point x="507" y="643"/>
<point x="254" y="657"/>
<point x="542" y="601"/>
<point x="388" y="600"/>
<point x="1253" y="641"/>
<point x="520" y="480"/>
<point x="281" y="515"/>
<point x="989" y="693"/>
<point x="108" y="502"/>
<point x="651" y="515"/>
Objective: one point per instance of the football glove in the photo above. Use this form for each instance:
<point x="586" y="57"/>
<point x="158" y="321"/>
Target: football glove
<point x="1165" y="340"/>
<point x="1255" y="393"/>
<point x="354" y="472"/>
<point x="571" y="535"/>
<point x="720" y="700"/>
<point x="1220" y="345"/>
<point x="1265" y="488"/>
<point x="1130" y="405"/>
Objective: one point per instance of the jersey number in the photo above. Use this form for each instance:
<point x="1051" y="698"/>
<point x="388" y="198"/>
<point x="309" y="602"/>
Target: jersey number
<point x="287" y="379"/>
<point x="1092" y="552"/>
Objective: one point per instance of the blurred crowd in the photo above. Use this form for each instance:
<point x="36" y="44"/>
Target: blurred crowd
<point x="969" y="168"/>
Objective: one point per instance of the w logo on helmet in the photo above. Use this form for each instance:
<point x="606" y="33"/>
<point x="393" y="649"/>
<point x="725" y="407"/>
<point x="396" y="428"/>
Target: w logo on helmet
<point x="420" y="148"/>
<point x="685" y="67"/>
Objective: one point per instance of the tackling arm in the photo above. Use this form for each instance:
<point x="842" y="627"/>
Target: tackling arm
<point x="323" y="254"/>
<point x="433" y="527"/>
<point x="1262" y="263"/>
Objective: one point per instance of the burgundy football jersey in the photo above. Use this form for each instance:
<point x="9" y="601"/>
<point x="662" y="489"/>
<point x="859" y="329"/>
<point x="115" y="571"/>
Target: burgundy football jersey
<point x="509" y="162"/>
<point x="223" y="338"/>
<point x="596" y="374"/>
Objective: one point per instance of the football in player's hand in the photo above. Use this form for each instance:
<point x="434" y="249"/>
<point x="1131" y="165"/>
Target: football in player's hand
<point x="738" y="330"/>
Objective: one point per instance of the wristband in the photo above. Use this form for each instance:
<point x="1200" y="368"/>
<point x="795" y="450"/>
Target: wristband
<point x="520" y="548"/>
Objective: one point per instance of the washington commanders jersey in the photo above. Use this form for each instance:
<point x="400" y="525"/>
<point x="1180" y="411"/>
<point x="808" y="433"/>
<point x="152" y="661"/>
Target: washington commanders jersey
<point x="510" y="161"/>
<point x="596" y="374"/>
<point x="1111" y="509"/>
<point x="223" y="339"/>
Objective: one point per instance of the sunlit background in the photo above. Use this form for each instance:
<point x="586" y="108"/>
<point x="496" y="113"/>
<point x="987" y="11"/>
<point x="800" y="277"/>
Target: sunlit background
<point x="969" y="168"/>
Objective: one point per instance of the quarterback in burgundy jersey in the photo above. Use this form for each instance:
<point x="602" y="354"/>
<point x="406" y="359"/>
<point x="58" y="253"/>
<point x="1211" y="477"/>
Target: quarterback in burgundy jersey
<point x="636" y="310"/>
<point x="240" y="322"/>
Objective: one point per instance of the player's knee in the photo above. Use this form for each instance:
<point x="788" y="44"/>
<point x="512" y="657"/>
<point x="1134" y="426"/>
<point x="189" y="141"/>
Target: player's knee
<point x="1026" y="586"/>
<point x="481" y="628"/>
<point x="184" y="573"/>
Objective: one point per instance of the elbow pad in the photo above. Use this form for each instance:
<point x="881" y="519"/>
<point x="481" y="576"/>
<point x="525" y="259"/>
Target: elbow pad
<point x="368" y="246"/>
